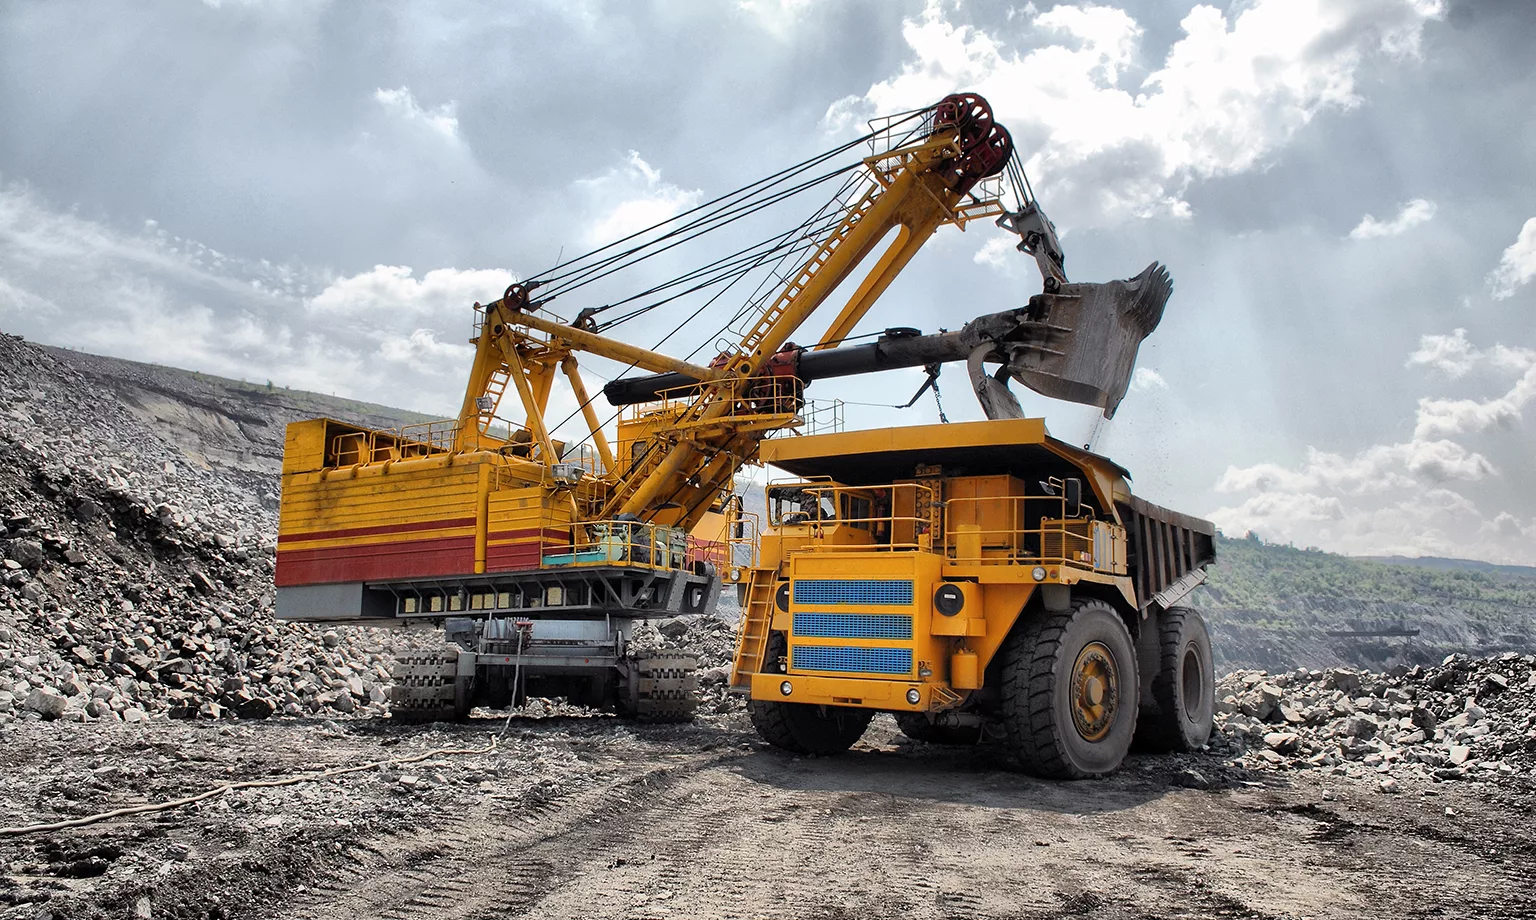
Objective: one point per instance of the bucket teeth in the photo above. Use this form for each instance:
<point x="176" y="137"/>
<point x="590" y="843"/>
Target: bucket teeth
<point x="1080" y="342"/>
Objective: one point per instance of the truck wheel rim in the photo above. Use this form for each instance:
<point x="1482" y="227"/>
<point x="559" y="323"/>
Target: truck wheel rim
<point x="1095" y="691"/>
<point x="1192" y="677"/>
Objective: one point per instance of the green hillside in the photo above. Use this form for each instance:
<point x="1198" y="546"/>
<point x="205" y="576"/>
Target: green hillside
<point x="1276" y="607"/>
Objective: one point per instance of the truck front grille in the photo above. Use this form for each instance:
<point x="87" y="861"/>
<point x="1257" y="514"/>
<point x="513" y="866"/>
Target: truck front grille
<point x="859" y="591"/>
<point x="853" y="625"/>
<point x="851" y="660"/>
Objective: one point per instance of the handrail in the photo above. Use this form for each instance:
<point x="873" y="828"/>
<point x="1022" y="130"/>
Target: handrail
<point x="986" y="530"/>
<point x="913" y="529"/>
<point x="611" y="542"/>
<point x="1024" y="529"/>
<point x="771" y="399"/>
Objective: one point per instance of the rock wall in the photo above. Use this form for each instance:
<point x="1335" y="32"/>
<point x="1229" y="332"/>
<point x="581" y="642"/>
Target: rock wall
<point x="137" y="583"/>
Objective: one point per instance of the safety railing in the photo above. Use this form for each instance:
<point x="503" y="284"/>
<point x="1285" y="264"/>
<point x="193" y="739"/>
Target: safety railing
<point x="1019" y="529"/>
<point x="427" y="439"/>
<point x="769" y="399"/>
<point x="409" y="442"/>
<point x="822" y="416"/>
<point x="440" y="435"/>
<point x="603" y="543"/>
<point x="716" y="553"/>
<point x="743" y="537"/>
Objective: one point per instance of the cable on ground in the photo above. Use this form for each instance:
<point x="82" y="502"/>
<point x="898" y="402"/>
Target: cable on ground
<point x="153" y="807"/>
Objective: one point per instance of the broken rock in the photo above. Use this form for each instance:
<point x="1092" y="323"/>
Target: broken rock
<point x="1282" y="742"/>
<point x="27" y="554"/>
<point x="47" y="702"/>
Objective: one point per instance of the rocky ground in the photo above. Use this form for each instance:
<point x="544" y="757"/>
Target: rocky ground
<point x="135" y="583"/>
<point x="139" y="662"/>
<point x="587" y="816"/>
<point x="1466" y="719"/>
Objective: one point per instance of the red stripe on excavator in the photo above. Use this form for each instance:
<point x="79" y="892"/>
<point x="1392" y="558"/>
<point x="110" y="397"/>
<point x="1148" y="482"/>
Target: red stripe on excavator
<point x="373" y="531"/>
<point x="439" y="556"/>
<point x="510" y="556"/>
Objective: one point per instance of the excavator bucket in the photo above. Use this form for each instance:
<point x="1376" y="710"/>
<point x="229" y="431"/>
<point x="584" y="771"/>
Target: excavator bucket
<point x="1079" y="343"/>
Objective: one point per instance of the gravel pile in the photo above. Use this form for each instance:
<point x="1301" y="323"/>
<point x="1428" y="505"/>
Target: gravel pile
<point x="134" y="585"/>
<point x="1468" y="718"/>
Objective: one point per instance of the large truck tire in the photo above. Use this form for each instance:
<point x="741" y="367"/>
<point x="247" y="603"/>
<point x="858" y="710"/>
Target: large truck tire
<point x="806" y="728"/>
<point x="1069" y="692"/>
<point x="916" y="726"/>
<point x="1181" y="712"/>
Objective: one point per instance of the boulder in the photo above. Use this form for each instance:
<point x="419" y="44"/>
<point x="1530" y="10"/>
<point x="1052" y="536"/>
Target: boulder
<point x="27" y="554"/>
<point x="47" y="702"/>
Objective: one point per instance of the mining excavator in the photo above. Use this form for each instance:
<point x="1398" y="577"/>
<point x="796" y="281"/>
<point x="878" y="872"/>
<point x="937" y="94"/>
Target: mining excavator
<point x="971" y="578"/>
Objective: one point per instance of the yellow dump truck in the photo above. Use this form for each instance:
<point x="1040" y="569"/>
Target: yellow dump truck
<point x="972" y="577"/>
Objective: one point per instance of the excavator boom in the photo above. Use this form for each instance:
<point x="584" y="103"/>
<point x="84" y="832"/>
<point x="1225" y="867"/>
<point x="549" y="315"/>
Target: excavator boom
<point x="1077" y="344"/>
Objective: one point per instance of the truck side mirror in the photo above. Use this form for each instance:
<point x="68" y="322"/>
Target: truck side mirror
<point x="1073" y="493"/>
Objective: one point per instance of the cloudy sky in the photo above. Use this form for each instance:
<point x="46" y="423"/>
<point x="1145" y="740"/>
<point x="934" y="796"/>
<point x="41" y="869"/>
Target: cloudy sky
<point x="315" y="193"/>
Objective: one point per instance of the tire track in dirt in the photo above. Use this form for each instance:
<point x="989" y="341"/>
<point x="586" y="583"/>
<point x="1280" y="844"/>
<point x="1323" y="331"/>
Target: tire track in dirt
<point x="748" y="833"/>
<point x="493" y="858"/>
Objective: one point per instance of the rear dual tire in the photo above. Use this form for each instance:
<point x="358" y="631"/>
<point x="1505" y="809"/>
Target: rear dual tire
<point x="1179" y="711"/>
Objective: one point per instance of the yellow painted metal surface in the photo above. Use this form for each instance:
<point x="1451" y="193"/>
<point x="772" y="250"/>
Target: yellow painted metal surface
<point x="993" y="538"/>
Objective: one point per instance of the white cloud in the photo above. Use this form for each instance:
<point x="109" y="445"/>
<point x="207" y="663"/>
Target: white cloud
<point x="1145" y="378"/>
<point x="442" y="120"/>
<point x="392" y="291"/>
<point x="1434" y="522"/>
<point x="776" y="17"/>
<point x="422" y="345"/>
<point x="383" y="335"/>
<point x="631" y="197"/>
<point x="1229" y="94"/>
<point x="1455" y="356"/>
<point x="1441" y="417"/>
<point x="1517" y="266"/>
<point x="999" y="252"/>
<point x="1410" y="215"/>
<point x="1396" y="498"/>
<point x="1452" y="354"/>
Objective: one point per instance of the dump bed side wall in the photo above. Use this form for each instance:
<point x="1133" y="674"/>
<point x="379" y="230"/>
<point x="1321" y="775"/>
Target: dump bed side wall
<point x="1165" y="546"/>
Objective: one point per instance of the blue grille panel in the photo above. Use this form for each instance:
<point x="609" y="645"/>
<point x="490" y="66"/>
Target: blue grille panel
<point x="853" y="625"/>
<point x="853" y="591"/>
<point x="851" y="660"/>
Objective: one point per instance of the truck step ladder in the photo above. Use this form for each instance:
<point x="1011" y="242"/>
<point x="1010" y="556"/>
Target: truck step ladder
<point x="752" y="640"/>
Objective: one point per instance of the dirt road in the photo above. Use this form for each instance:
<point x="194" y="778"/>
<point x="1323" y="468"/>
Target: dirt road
<point x="591" y="818"/>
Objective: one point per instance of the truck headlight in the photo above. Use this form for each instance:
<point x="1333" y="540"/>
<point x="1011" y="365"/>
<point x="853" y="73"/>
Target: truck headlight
<point x="786" y="688"/>
<point x="1039" y="573"/>
<point x="914" y="697"/>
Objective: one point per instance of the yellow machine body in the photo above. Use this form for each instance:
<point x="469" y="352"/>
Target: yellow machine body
<point x="907" y="555"/>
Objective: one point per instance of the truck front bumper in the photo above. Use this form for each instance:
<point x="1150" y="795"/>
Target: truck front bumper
<point x="889" y="695"/>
